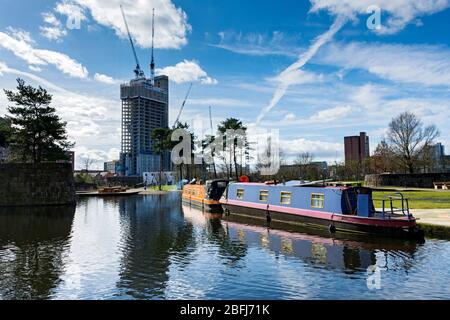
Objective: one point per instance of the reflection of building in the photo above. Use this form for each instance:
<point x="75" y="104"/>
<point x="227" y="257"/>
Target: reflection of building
<point x="144" y="108"/>
<point x="356" y="148"/>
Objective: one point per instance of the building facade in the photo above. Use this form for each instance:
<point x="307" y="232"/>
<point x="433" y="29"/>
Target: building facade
<point x="357" y="148"/>
<point x="112" y="166"/>
<point x="145" y="107"/>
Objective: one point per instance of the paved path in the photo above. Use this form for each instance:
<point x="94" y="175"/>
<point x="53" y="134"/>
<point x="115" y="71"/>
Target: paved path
<point x="440" y="217"/>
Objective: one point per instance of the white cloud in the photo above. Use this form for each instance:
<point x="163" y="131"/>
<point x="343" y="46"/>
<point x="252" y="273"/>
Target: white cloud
<point x="92" y="121"/>
<point x="321" y="150"/>
<point x="105" y="79"/>
<point x="255" y="44"/>
<point x="414" y="64"/>
<point x="23" y="48"/>
<point x="72" y="11"/>
<point x="291" y="74"/>
<point x="54" y="29"/>
<point x="330" y="115"/>
<point x="170" y="22"/>
<point x="186" y="71"/>
<point x="320" y="117"/>
<point x="400" y="12"/>
<point x="297" y="77"/>
<point x="97" y="156"/>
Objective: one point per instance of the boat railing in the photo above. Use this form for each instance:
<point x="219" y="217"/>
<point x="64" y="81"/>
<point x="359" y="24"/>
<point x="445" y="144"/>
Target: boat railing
<point x="391" y="210"/>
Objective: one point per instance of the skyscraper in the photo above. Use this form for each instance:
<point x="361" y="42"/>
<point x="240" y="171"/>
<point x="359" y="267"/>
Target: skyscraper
<point x="356" y="148"/>
<point x="145" y="107"/>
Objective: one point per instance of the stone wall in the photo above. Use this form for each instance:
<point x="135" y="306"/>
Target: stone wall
<point x="419" y="180"/>
<point x="46" y="184"/>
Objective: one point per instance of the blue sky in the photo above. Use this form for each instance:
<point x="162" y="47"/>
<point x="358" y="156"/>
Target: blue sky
<point x="330" y="74"/>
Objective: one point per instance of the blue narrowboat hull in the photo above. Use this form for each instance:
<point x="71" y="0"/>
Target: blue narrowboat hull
<point x="403" y="231"/>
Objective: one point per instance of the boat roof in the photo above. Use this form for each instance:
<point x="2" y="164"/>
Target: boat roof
<point x="296" y="186"/>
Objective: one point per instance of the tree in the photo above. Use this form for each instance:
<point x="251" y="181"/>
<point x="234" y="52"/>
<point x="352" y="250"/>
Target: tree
<point x="382" y="159"/>
<point x="409" y="139"/>
<point x="38" y="133"/>
<point x="5" y="132"/>
<point x="161" y="143"/>
<point x="303" y="161"/>
<point x="236" y="141"/>
<point x="88" y="163"/>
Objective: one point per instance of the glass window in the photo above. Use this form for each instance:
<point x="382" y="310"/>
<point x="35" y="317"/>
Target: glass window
<point x="240" y="194"/>
<point x="317" y="200"/>
<point x="286" y="197"/>
<point x="263" y="195"/>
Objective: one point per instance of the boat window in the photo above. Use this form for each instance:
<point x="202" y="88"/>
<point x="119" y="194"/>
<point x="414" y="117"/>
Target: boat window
<point x="317" y="200"/>
<point x="240" y="194"/>
<point x="263" y="195"/>
<point x="286" y="197"/>
<point x="222" y="184"/>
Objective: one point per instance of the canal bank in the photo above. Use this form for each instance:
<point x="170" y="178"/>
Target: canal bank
<point x="435" y="222"/>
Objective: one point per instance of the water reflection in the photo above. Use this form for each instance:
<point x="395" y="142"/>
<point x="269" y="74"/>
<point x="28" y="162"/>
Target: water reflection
<point x="153" y="231"/>
<point x="150" y="247"/>
<point x="346" y="252"/>
<point x="33" y="242"/>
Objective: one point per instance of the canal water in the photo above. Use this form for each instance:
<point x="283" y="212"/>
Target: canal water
<point x="151" y="247"/>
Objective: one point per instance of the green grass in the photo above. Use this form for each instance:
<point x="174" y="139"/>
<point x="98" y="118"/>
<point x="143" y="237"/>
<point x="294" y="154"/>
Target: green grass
<point x="418" y="199"/>
<point x="164" y="188"/>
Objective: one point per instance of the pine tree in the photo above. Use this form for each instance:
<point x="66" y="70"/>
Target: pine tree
<point x="38" y="133"/>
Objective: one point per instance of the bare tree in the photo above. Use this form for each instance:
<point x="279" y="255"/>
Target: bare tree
<point x="88" y="163"/>
<point x="409" y="139"/>
<point x="303" y="161"/>
<point x="304" y="158"/>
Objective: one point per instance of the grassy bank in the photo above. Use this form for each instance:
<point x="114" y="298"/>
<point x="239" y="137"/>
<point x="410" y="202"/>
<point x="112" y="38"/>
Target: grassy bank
<point x="164" y="188"/>
<point x="429" y="199"/>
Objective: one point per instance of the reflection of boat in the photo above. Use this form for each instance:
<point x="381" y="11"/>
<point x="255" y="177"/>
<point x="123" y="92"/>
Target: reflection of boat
<point x="302" y="232"/>
<point x="205" y="196"/>
<point x="346" y="251"/>
<point x="338" y="208"/>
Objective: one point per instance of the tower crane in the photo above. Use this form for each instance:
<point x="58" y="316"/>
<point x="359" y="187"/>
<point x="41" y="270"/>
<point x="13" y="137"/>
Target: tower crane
<point x="138" y="71"/>
<point x="182" y="106"/>
<point x="152" y="63"/>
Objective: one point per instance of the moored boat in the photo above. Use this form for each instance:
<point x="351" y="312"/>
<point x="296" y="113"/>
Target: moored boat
<point x="337" y="208"/>
<point x="205" y="196"/>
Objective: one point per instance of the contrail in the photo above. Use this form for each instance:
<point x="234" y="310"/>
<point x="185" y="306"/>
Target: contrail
<point x="303" y="59"/>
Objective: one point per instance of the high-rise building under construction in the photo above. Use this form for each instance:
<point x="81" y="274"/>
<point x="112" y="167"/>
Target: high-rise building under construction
<point x="145" y="107"/>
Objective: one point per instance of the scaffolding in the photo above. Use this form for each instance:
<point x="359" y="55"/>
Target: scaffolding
<point x="144" y="108"/>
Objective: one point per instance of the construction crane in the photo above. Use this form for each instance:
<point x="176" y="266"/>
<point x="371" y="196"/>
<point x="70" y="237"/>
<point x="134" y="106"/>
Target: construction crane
<point x="152" y="63"/>
<point x="138" y="71"/>
<point x="211" y="122"/>
<point x="182" y="106"/>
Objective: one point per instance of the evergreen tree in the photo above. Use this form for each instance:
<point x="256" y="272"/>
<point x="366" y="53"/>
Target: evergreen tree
<point x="38" y="133"/>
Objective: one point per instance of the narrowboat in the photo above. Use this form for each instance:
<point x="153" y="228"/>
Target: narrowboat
<point x="205" y="196"/>
<point x="348" y="209"/>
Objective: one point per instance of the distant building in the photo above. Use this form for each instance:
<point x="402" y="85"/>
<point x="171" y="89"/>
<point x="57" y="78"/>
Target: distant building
<point x="440" y="160"/>
<point x="145" y="107"/>
<point x="112" y="166"/>
<point x="321" y="165"/>
<point x="356" y="148"/>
